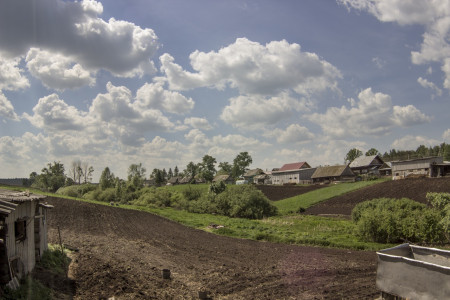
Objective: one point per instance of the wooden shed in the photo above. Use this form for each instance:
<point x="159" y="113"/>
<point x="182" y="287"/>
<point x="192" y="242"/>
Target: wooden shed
<point x="329" y="174"/>
<point x="23" y="234"/>
<point x="367" y="165"/>
<point x="250" y="174"/>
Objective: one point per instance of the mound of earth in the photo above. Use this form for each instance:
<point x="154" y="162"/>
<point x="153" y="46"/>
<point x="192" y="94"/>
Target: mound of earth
<point x="122" y="253"/>
<point x="280" y="192"/>
<point x="413" y="188"/>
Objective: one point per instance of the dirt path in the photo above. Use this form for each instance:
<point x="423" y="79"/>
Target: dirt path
<point x="122" y="254"/>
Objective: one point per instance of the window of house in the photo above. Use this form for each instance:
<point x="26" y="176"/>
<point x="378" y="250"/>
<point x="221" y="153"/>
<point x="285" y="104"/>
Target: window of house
<point x="20" y="229"/>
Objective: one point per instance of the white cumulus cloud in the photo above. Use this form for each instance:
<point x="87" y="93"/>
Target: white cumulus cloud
<point x="153" y="95"/>
<point x="198" y="123"/>
<point x="6" y="108"/>
<point x="252" y="112"/>
<point x="372" y="115"/>
<point x="430" y="85"/>
<point x="254" y="69"/>
<point x="76" y="30"/>
<point x="57" y="71"/>
<point x="294" y="133"/>
<point x="11" y="75"/>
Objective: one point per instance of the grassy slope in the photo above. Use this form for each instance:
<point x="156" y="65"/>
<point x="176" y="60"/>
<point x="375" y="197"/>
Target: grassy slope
<point x="284" y="228"/>
<point x="292" y="205"/>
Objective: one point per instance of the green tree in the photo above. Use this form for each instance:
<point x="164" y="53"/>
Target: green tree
<point x="224" y="168"/>
<point x="352" y="155"/>
<point x="51" y="178"/>
<point x="136" y="176"/>
<point x="240" y="164"/>
<point x="372" y="151"/>
<point x="169" y="173"/>
<point x="207" y="168"/>
<point x="107" y="179"/>
<point x="191" y="169"/>
<point x="175" y="171"/>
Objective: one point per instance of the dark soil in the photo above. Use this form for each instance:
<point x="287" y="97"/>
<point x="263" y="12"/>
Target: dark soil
<point x="122" y="253"/>
<point x="414" y="188"/>
<point x="280" y="192"/>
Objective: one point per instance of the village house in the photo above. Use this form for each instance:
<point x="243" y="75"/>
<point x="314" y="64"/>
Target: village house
<point x="330" y="174"/>
<point x="420" y="167"/>
<point x="369" y="165"/>
<point x="293" y="173"/>
<point x="250" y="174"/>
<point x="174" y="180"/>
<point x="23" y="234"/>
<point x="227" y="179"/>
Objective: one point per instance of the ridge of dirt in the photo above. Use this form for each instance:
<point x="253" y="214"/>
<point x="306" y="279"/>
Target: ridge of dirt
<point x="122" y="253"/>
<point x="413" y="188"/>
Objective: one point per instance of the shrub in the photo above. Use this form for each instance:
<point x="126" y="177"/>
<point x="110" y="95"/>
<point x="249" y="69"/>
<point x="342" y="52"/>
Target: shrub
<point x="107" y="195"/>
<point x="160" y="197"/>
<point x="395" y="220"/>
<point x="76" y="190"/>
<point x="244" y="201"/>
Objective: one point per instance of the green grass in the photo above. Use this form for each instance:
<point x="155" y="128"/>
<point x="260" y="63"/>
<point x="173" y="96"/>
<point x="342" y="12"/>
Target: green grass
<point x="286" y="228"/>
<point x="293" y="204"/>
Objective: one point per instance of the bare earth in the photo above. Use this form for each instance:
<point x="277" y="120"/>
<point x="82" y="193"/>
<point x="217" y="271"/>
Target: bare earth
<point x="414" y="188"/>
<point x="122" y="253"/>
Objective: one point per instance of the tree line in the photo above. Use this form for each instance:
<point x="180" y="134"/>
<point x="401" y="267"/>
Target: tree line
<point x="53" y="176"/>
<point x="394" y="154"/>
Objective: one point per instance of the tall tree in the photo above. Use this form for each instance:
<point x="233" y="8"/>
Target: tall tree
<point x="169" y="173"/>
<point x="107" y="179"/>
<point x="207" y="167"/>
<point x="51" y="178"/>
<point x="87" y="172"/>
<point x="224" y="168"/>
<point x="241" y="163"/>
<point x="352" y="155"/>
<point x="175" y="171"/>
<point x="136" y="176"/>
<point x="191" y="169"/>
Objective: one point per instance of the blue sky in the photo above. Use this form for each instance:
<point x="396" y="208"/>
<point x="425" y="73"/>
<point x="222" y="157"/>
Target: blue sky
<point x="165" y="82"/>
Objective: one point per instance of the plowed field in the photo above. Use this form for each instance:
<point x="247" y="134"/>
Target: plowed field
<point x="122" y="253"/>
<point x="414" y="188"/>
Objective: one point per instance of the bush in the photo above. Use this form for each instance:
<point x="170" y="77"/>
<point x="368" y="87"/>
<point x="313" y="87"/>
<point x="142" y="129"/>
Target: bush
<point x="397" y="220"/>
<point x="160" y="197"/>
<point x="244" y="201"/>
<point x="108" y="195"/>
<point x="76" y="190"/>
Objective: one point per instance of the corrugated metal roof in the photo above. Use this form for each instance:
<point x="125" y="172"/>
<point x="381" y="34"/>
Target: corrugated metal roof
<point x="16" y="196"/>
<point x="329" y="171"/>
<point x="294" y="166"/>
<point x="7" y="207"/>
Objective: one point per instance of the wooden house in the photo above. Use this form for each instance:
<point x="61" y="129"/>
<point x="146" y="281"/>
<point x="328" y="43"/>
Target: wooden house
<point x="227" y="179"/>
<point x="174" y="180"/>
<point x="369" y="165"/>
<point x="420" y="167"/>
<point x="262" y="179"/>
<point x="250" y="174"/>
<point x="293" y="173"/>
<point x="329" y="174"/>
<point x="23" y="234"/>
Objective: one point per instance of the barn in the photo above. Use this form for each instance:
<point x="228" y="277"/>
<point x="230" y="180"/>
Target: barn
<point x="227" y="179"/>
<point x="332" y="174"/>
<point x="23" y="234"/>
<point x="420" y="167"/>
<point x="293" y="173"/>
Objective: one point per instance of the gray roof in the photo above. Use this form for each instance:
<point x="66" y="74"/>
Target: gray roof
<point x="15" y="196"/>
<point x="364" y="161"/>
<point x="222" y="178"/>
<point x="332" y="171"/>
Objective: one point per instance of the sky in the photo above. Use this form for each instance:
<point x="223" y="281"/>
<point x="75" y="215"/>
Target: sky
<point x="163" y="83"/>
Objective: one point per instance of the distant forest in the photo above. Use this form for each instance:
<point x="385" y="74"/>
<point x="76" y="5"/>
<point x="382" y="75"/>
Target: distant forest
<point x="421" y="151"/>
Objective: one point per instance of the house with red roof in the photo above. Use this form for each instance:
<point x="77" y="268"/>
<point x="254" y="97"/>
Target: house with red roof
<point x="293" y="173"/>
